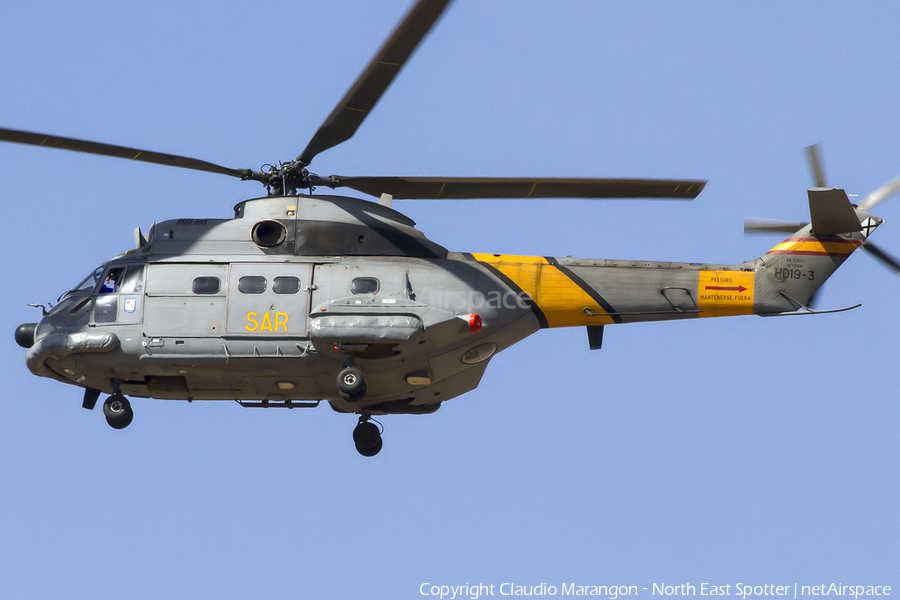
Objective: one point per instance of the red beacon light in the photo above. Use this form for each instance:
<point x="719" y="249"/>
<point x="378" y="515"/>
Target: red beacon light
<point x="475" y="323"/>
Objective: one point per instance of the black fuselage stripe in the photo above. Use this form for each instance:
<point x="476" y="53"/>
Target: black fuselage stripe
<point x="594" y="294"/>
<point x="538" y="313"/>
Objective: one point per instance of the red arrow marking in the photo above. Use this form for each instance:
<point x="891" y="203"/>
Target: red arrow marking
<point x="721" y="288"/>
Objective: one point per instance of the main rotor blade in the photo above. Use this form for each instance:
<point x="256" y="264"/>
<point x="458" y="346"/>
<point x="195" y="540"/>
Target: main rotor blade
<point x="75" y="145"/>
<point x="459" y="188"/>
<point x="815" y="165"/>
<point x="362" y="96"/>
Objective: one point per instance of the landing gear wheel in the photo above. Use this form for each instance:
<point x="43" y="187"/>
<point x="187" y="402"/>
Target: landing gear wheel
<point x="369" y="452"/>
<point x="367" y="438"/>
<point x="117" y="410"/>
<point x="351" y="384"/>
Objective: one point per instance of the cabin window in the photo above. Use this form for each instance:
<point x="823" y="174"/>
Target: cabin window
<point x="286" y="285"/>
<point x="206" y="285"/>
<point x="364" y="285"/>
<point x="252" y="284"/>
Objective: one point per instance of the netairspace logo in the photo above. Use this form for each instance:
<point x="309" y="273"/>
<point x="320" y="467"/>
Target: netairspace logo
<point x="473" y="300"/>
<point x="612" y="592"/>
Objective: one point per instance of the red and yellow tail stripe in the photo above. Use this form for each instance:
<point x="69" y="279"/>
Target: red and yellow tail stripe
<point x="817" y="247"/>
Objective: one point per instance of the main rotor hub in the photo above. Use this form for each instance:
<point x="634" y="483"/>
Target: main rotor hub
<point x="286" y="178"/>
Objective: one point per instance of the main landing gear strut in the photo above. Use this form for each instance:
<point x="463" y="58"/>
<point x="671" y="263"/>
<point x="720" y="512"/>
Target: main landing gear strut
<point x="367" y="436"/>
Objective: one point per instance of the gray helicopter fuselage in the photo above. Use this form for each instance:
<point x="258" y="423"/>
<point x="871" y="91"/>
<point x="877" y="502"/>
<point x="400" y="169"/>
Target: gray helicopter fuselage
<point x="267" y="307"/>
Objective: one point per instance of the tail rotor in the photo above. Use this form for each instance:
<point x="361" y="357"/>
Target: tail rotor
<point x="832" y="226"/>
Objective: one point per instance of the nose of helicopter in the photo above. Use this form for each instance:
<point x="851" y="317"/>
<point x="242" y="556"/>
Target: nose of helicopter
<point x="25" y="334"/>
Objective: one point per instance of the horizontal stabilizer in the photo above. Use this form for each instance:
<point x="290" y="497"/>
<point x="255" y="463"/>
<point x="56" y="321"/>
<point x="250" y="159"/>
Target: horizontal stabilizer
<point x="831" y="212"/>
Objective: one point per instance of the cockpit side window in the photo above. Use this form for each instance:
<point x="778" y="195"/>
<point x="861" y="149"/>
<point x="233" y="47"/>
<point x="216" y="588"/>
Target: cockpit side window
<point x="105" y="308"/>
<point x="112" y="280"/>
<point x="133" y="281"/>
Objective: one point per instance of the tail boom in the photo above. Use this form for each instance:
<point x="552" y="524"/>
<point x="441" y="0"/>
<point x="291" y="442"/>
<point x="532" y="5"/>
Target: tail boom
<point x="567" y="292"/>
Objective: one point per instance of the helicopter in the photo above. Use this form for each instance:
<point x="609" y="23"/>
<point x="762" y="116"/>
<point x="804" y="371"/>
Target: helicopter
<point x="303" y="297"/>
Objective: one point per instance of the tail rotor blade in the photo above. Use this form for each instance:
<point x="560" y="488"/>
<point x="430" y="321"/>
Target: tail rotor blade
<point x="768" y="226"/>
<point x="881" y="194"/>
<point x="885" y="258"/>
<point x="815" y="165"/>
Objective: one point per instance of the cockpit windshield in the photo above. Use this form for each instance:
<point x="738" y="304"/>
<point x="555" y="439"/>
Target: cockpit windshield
<point x="87" y="284"/>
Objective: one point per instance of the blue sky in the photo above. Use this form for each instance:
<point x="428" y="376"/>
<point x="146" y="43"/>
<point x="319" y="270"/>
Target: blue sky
<point x="736" y="450"/>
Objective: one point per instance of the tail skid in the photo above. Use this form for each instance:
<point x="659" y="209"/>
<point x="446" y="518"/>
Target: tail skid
<point x="805" y="310"/>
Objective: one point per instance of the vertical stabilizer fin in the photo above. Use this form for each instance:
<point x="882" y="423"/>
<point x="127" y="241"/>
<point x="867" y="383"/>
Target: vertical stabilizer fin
<point x="831" y="213"/>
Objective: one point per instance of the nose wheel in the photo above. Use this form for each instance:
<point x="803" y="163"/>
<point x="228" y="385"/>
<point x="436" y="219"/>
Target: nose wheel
<point x="117" y="410"/>
<point x="367" y="437"/>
